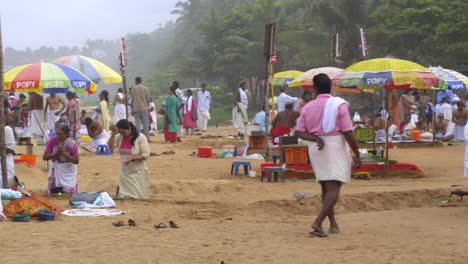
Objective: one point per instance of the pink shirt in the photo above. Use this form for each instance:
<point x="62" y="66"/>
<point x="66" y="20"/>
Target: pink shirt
<point x="312" y="115"/>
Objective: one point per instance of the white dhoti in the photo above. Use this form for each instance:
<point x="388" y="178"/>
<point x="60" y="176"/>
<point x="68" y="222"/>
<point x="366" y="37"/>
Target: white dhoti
<point x="36" y="125"/>
<point x="466" y="160"/>
<point x="239" y="118"/>
<point x="63" y="175"/>
<point x="154" y="123"/>
<point x="459" y="132"/>
<point x="203" y="117"/>
<point x="333" y="162"/>
<point x="52" y="118"/>
<point x="10" y="164"/>
<point x="100" y="139"/>
<point x="119" y="113"/>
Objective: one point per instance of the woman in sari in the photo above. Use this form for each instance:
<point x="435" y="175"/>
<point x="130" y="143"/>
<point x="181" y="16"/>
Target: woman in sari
<point x="62" y="151"/>
<point x="134" y="151"/>
<point x="172" y="118"/>
<point x="73" y="112"/>
<point x="189" y="110"/>
<point x="102" y="111"/>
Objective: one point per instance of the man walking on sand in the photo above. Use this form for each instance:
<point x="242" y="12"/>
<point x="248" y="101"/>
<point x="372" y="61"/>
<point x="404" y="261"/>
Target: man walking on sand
<point x="239" y="112"/>
<point x="204" y="101"/>
<point x="326" y="123"/>
<point x="52" y="111"/>
<point x="140" y="107"/>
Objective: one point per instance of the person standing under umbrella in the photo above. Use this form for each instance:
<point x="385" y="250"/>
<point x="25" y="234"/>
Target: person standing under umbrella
<point x="102" y="111"/>
<point x="73" y="112"/>
<point x="140" y="107"/>
<point x="36" y="117"/>
<point x="52" y="111"/>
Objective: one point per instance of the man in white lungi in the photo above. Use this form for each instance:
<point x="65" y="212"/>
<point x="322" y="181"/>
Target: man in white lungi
<point x="326" y="123"/>
<point x="120" y="110"/>
<point x="204" y="101"/>
<point x="10" y="163"/>
<point x="52" y="110"/>
<point x="36" y="117"/>
<point x="239" y="112"/>
<point x="460" y="117"/>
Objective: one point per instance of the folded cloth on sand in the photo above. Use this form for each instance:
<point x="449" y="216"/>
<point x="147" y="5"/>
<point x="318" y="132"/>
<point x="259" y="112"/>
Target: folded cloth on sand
<point x="30" y="204"/>
<point x="333" y="162"/>
<point x="92" y="212"/>
<point x="92" y="200"/>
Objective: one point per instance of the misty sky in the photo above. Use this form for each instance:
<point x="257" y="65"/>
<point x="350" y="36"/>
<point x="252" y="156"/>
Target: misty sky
<point x="34" y="23"/>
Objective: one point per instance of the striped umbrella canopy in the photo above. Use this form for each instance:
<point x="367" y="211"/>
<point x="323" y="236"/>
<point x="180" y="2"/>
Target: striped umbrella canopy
<point x="305" y="80"/>
<point x="450" y="78"/>
<point x="285" y="77"/>
<point x="93" y="69"/>
<point x="47" y="78"/>
<point x="387" y="73"/>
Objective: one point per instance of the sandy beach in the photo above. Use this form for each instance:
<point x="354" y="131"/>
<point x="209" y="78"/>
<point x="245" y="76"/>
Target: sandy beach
<point x="238" y="219"/>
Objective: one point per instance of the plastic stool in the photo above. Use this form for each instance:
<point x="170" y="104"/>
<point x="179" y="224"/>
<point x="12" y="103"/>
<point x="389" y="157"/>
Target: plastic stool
<point x="103" y="150"/>
<point x="266" y="164"/>
<point x="204" y="152"/>
<point x="277" y="171"/>
<point x="235" y="167"/>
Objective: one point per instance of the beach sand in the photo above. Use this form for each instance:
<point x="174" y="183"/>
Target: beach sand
<point x="389" y="219"/>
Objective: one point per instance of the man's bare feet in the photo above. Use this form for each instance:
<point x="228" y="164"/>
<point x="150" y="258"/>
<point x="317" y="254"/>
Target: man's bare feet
<point x="334" y="230"/>
<point x="317" y="231"/>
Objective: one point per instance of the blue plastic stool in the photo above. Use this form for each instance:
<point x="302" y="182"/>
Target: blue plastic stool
<point x="235" y="167"/>
<point x="103" y="150"/>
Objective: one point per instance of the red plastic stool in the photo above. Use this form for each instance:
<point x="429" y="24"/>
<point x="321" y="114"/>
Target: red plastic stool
<point x="204" y="152"/>
<point x="266" y="164"/>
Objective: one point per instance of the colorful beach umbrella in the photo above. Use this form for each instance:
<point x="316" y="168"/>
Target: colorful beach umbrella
<point x="93" y="69"/>
<point x="450" y="78"/>
<point x="284" y="78"/>
<point x="48" y="78"/>
<point x="387" y="73"/>
<point x="305" y="79"/>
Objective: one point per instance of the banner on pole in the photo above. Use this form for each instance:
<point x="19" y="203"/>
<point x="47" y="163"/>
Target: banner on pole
<point x="363" y="44"/>
<point x="124" y="51"/>
<point x="274" y="58"/>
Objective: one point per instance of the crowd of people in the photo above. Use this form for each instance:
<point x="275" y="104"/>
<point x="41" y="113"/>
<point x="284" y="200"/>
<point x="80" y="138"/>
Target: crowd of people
<point x="58" y="124"/>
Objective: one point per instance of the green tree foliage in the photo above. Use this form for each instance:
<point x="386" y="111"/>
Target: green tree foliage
<point x="221" y="41"/>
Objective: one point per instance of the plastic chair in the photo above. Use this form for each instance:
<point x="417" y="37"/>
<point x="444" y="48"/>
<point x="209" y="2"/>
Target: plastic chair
<point x="235" y="167"/>
<point x="103" y="150"/>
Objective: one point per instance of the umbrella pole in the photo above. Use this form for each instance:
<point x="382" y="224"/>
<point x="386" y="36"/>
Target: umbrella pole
<point x="387" y="129"/>
<point x="2" y="118"/>
<point x="124" y="84"/>
<point x="371" y="99"/>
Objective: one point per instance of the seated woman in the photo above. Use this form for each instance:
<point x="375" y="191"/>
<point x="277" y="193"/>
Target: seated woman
<point x="63" y="152"/>
<point x="96" y="132"/>
<point x="134" y="151"/>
